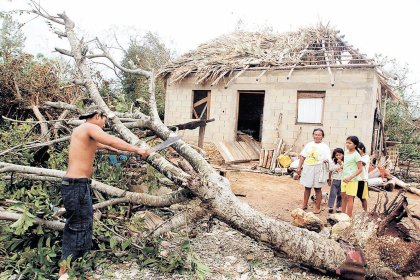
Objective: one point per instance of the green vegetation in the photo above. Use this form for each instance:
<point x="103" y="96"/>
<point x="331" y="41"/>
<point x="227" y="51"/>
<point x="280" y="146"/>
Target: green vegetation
<point x="402" y="116"/>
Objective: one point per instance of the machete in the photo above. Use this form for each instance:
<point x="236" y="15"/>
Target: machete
<point x="164" y="144"/>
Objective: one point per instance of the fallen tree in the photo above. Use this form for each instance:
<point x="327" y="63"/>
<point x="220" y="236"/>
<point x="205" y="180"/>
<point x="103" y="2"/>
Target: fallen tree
<point x="198" y="177"/>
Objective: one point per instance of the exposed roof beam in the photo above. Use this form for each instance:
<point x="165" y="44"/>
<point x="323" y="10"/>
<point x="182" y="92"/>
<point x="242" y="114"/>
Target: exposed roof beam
<point x="236" y="76"/>
<point x="298" y="60"/>
<point x="327" y="60"/>
<point x="260" y="75"/>
<point x="218" y="78"/>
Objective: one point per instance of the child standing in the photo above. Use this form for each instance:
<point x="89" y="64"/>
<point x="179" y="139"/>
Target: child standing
<point x="362" y="188"/>
<point x="352" y="167"/>
<point x="334" y="180"/>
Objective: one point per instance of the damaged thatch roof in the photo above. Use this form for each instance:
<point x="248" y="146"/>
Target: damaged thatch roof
<point x="315" y="47"/>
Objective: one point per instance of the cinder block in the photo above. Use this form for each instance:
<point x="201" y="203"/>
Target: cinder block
<point x="348" y="92"/>
<point x="348" y="108"/>
<point x="357" y="101"/>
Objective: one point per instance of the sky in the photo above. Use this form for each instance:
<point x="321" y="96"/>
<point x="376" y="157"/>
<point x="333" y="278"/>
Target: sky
<point x="385" y="27"/>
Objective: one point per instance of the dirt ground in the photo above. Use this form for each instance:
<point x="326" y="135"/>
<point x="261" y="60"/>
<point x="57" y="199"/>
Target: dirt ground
<point x="277" y="196"/>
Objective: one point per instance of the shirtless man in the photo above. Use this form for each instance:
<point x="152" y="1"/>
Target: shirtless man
<point x="75" y="187"/>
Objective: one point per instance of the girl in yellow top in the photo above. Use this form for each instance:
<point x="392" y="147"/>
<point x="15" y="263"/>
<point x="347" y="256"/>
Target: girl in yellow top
<point x="352" y="167"/>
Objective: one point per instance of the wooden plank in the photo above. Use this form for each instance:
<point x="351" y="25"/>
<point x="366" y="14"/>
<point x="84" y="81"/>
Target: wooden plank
<point x="270" y="156"/>
<point x="236" y="76"/>
<point x="328" y="63"/>
<point x="236" y="154"/>
<point x="265" y="158"/>
<point x="201" y="132"/>
<point x="201" y="101"/>
<point x="276" y="155"/>
<point x="298" y="60"/>
<point x="224" y="151"/>
<point x="239" y="147"/>
<point x="252" y="149"/>
<point x="260" y="75"/>
<point x="204" y="111"/>
<point x="282" y="148"/>
<point x="251" y="142"/>
<point x="218" y="78"/>
<point x="241" y="151"/>
<point x="251" y="153"/>
<point x="261" y="158"/>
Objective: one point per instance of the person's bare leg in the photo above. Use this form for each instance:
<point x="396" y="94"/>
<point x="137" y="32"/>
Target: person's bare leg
<point x="343" y="202"/>
<point x="318" y="196"/>
<point x="63" y="275"/>
<point x="350" y="203"/>
<point x="364" y="204"/>
<point x="306" y="195"/>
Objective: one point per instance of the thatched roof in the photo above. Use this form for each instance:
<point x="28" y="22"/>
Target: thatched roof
<point x="315" y="47"/>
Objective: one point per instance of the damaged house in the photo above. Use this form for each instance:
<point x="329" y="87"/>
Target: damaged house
<point x="274" y="86"/>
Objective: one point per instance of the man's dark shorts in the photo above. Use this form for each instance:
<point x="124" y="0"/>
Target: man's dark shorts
<point x="77" y="199"/>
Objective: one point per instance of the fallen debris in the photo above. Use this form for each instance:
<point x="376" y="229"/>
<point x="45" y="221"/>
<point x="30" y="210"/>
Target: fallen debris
<point x="306" y="220"/>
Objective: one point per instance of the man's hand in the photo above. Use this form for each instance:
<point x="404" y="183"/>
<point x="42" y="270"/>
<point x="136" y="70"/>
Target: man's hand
<point x="143" y="153"/>
<point x="329" y="182"/>
<point x="347" y="179"/>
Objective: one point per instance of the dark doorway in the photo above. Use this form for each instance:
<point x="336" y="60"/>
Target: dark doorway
<point x="250" y="114"/>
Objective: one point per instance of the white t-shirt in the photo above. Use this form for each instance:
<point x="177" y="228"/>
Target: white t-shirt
<point x="315" y="153"/>
<point x="366" y="162"/>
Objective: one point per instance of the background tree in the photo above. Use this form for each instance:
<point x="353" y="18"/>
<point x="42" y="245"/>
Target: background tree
<point x="401" y="121"/>
<point x="148" y="52"/>
<point x="12" y="39"/>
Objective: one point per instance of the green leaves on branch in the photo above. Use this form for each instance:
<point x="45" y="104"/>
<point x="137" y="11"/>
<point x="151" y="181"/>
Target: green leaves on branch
<point x="25" y="221"/>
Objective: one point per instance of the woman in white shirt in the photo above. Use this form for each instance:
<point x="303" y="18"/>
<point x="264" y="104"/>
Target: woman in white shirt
<point x="311" y="168"/>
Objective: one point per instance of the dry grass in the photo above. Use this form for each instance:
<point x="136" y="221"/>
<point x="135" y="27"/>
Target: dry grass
<point x="235" y="51"/>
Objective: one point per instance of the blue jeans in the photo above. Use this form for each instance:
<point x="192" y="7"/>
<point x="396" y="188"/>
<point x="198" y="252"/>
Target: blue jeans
<point x="335" y="192"/>
<point x="77" y="200"/>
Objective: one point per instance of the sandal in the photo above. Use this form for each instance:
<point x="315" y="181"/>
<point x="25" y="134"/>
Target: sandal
<point x="317" y="212"/>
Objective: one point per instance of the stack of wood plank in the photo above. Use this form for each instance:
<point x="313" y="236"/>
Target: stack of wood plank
<point x="268" y="157"/>
<point x="244" y="150"/>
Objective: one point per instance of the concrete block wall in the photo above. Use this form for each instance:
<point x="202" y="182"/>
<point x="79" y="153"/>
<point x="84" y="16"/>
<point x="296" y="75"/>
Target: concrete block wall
<point x="348" y="109"/>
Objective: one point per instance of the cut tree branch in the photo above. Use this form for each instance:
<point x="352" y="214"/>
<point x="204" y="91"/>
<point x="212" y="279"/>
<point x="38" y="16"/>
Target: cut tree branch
<point x="41" y="119"/>
<point x="10" y="216"/>
<point x="137" y="198"/>
<point x="182" y="219"/>
<point x="107" y="55"/>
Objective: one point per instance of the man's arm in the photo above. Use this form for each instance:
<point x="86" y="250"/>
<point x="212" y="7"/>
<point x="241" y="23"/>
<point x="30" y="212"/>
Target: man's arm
<point x="102" y="146"/>
<point x="104" y="138"/>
